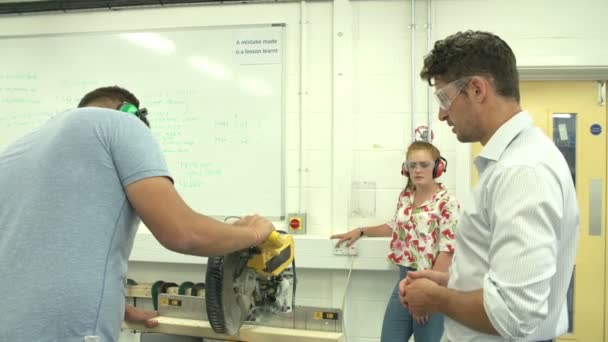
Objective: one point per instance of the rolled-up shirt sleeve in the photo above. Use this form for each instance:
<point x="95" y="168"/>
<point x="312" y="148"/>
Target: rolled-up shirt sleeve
<point x="528" y="204"/>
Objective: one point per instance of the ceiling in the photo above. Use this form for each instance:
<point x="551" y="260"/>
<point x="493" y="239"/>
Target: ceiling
<point x="16" y="7"/>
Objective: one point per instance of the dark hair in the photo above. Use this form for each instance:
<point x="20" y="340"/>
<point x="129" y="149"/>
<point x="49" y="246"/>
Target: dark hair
<point x="474" y="53"/>
<point x="111" y="93"/>
<point x="421" y="146"/>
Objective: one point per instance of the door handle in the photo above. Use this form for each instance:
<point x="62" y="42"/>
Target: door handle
<point x="596" y="207"/>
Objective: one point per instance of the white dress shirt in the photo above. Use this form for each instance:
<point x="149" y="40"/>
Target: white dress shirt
<point x="517" y="237"/>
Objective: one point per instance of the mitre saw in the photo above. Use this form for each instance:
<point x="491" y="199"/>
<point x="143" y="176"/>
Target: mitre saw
<point x="245" y="297"/>
<point x="250" y="284"/>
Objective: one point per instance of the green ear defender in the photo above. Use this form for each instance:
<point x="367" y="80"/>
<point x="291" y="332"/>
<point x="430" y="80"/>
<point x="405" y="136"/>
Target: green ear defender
<point x="132" y="109"/>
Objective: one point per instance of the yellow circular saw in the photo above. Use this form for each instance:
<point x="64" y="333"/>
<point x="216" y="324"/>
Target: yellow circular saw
<point x="232" y="281"/>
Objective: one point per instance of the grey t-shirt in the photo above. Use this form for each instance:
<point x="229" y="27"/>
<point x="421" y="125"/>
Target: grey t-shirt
<point x="66" y="225"/>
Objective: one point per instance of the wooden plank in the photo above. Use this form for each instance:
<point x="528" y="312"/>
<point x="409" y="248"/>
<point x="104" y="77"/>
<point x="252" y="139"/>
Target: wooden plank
<point x="248" y="333"/>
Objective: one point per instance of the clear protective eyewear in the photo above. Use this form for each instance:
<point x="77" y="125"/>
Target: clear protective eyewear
<point x="411" y="165"/>
<point x="443" y="98"/>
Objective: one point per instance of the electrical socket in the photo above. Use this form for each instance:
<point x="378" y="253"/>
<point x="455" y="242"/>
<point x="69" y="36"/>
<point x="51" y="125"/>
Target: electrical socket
<point x="340" y="250"/>
<point x="343" y="249"/>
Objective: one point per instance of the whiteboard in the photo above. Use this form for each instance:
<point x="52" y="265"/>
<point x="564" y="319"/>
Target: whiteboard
<point x="215" y="97"/>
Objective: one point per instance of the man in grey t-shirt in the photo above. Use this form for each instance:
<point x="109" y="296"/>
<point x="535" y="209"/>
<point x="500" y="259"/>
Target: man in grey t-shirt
<point x="73" y="192"/>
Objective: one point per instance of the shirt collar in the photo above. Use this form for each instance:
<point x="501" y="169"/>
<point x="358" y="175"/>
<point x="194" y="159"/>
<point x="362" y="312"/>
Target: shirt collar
<point x="504" y="135"/>
<point x="442" y="189"/>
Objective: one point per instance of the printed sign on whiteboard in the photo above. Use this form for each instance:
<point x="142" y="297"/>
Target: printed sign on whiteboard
<point x="258" y="47"/>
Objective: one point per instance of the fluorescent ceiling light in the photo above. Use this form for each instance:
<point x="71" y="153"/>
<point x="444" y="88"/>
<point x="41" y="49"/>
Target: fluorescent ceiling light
<point x="256" y="87"/>
<point x="563" y="115"/>
<point x="151" y="40"/>
<point x="202" y="63"/>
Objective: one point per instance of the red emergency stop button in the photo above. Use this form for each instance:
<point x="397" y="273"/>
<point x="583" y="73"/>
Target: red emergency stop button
<point x="295" y="223"/>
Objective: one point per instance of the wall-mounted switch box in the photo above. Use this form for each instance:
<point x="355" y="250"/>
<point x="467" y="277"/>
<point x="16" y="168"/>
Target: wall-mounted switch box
<point x="296" y="223"/>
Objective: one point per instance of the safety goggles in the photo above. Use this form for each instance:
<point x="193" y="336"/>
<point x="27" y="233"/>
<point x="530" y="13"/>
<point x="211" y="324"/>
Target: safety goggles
<point x="411" y="165"/>
<point x="132" y="109"/>
<point x="446" y="95"/>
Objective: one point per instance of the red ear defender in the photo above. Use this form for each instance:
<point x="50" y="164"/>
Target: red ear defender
<point x="441" y="166"/>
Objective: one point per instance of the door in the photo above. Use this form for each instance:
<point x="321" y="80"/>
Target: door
<point x="573" y="115"/>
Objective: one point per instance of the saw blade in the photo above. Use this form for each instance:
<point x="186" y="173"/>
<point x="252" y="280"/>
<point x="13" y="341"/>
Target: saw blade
<point x="229" y="291"/>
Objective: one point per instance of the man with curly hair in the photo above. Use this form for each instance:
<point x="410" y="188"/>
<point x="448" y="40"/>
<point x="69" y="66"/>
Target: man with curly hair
<point x="518" y="234"/>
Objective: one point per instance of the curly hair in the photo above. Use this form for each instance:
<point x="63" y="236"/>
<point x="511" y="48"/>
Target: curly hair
<point x="474" y="53"/>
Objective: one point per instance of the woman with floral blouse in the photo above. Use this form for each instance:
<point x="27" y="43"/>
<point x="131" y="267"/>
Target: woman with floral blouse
<point x="423" y="232"/>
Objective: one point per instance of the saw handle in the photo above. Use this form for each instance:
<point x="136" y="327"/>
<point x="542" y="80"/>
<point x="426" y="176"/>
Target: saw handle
<point x="275" y="240"/>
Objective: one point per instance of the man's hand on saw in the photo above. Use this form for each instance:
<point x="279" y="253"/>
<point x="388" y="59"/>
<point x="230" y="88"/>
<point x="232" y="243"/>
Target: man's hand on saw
<point x="261" y="225"/>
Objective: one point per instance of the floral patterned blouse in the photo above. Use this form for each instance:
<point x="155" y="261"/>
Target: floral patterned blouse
<point x="419" y="234"/>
